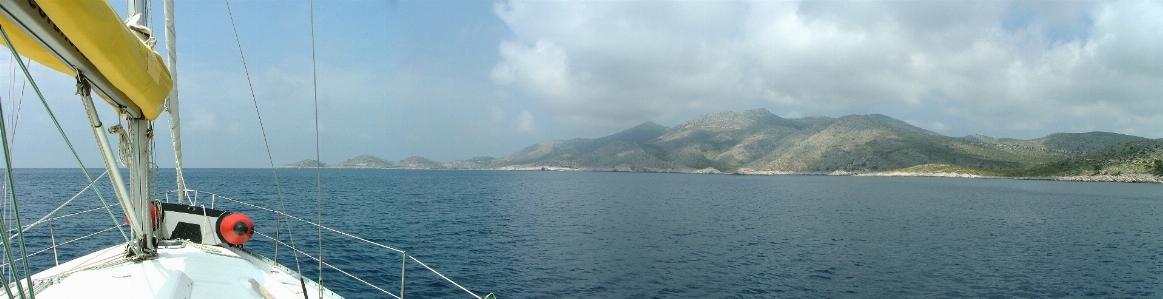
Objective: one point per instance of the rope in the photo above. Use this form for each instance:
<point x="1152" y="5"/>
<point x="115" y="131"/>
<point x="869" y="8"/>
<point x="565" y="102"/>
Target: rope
<point x="122" y="143"/>
<point x="64" y="136"/>
<point x="58" y="208"/>
<point x="118" y="226"/>
<point x="289" y="216"/>
<point x="19" y="103"/>
<point x="311" y="223"/>
<point x="442" y="276"/>
<point x="15" y="207"/>
<point x="266" y="143"/>
<point x="18" y="107"/>
<point x="330" y="266"/>
<point x="7" y="247"/>
<point x="69" y="241"/>
<point x="8" y="164"/>
<point x="27" y="228"/>
<point x="53" y="236"/>
<point x="4" y="197"/>
<point x="77" y="239"/>
<point x="11" y="181"/>
<point x="318" y="161"/>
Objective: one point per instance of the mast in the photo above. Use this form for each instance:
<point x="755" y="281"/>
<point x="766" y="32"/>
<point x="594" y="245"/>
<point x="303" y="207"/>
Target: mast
<point x="140" y="131"/>
<point x="172" y="101"/>
<point x="86" y="39"/>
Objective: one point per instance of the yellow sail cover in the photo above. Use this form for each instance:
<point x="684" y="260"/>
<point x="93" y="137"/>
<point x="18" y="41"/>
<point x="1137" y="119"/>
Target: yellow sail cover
<point x="28" y="47"/>
<point x="98" y="32"/>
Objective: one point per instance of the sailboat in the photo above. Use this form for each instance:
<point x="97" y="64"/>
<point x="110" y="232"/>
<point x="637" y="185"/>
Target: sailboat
<point x="174" y="249"/>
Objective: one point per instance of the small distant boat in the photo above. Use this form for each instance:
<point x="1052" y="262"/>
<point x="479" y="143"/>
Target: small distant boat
<point x="173" y="250"/>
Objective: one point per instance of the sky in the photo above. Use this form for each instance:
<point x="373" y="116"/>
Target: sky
<point x="453" y="80"/>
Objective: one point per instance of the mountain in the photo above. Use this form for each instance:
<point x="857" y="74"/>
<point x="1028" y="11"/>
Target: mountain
<point x="417" y="162"/>
<point x="639" y="134"/>
<point x="366" y="161"/>
<point x="307" y="163"/>
<point x="1061" y="144"/>
<point x="759" y="142"/>
<point x="474" y="163"/>
<point x="1134" y="157"/>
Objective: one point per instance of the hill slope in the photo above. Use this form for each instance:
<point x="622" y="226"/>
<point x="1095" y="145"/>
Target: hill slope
<point x="757" y="141"/>
<point x="366" y="161"/>
<point x="307" y="163"/>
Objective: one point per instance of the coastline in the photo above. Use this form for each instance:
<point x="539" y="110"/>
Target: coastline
<point x="1122" y="178"/>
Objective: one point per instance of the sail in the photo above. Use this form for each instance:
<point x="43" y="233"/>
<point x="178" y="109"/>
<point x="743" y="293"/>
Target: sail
<point x="124" y="69"/>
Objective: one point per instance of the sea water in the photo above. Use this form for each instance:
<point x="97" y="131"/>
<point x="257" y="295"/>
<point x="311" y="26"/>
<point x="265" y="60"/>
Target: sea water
<point x="551" y="234"/>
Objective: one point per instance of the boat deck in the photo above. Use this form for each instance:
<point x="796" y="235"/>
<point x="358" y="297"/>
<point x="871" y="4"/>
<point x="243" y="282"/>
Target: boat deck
<point x="182" y="270"/>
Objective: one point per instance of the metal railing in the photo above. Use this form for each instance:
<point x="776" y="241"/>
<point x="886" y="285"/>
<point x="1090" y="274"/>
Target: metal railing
<point x="54" y="246"/>
<point x="404" y="256"/>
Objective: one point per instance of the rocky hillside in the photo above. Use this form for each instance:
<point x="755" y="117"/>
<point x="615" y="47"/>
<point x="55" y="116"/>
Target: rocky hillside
<point x="541" y="152"/>
<point x="759" y="142"/>
<point x="1133" y="157"/>
<point x="307" y="163"/>
<point x="366" y="161"/>
<point x="415" y="162"/>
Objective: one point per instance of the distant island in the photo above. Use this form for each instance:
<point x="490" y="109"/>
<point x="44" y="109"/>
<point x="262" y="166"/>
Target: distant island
<point x="757" y="142"/>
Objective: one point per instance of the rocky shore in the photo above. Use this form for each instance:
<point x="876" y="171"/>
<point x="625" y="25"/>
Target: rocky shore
<point x="924" y="174"/>
<point x="1122" y="178"/>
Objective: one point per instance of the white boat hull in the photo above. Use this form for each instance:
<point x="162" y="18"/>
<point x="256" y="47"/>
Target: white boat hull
<point x="181" y="270"/>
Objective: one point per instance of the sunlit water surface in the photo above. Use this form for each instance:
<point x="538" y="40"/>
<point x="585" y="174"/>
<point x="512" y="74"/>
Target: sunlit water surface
<point x="637" y="235"/>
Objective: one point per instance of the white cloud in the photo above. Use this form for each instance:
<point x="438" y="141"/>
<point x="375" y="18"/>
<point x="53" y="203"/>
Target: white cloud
<point x="939" y="127"/>
<point x="1004" y="68"/>
<point x="525" y="122"/>
<point x="497" y="116"/>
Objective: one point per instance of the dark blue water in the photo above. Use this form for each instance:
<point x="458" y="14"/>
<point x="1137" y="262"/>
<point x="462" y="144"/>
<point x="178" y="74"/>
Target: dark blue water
<point x="634" y="235"/>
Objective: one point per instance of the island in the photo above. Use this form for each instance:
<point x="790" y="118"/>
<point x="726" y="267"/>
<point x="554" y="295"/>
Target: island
<point x="757" y="142"/>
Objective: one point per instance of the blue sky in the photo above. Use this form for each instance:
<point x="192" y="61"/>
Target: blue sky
<point x="457" y="79"/>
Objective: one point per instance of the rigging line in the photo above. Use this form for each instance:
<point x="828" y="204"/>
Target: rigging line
<point x="73" y="240"/>
<point x="15" y="208"/>
<point x="149" y="8"/>
<point x="61" y="131"/>
<point x="32" y="82"/>
<point x="19" y="106"/>
<point x="318" y="162"/>
<point x="8" y="275"/>
<point x="361" y="239"/>
<point x="270" y="158"/>
<point x="26" y="228"/>
<point x="11" y="275"/>
<point x="11" y="83"/>
<point x="11" y="181"/>
<point x="413" y="258"/>
<point x="8" y="252"/>
<point x="11" y="77"/>
<point x="329" y="265"/>
<point x="54" y="211"/>
<point x="20" y="101"/>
